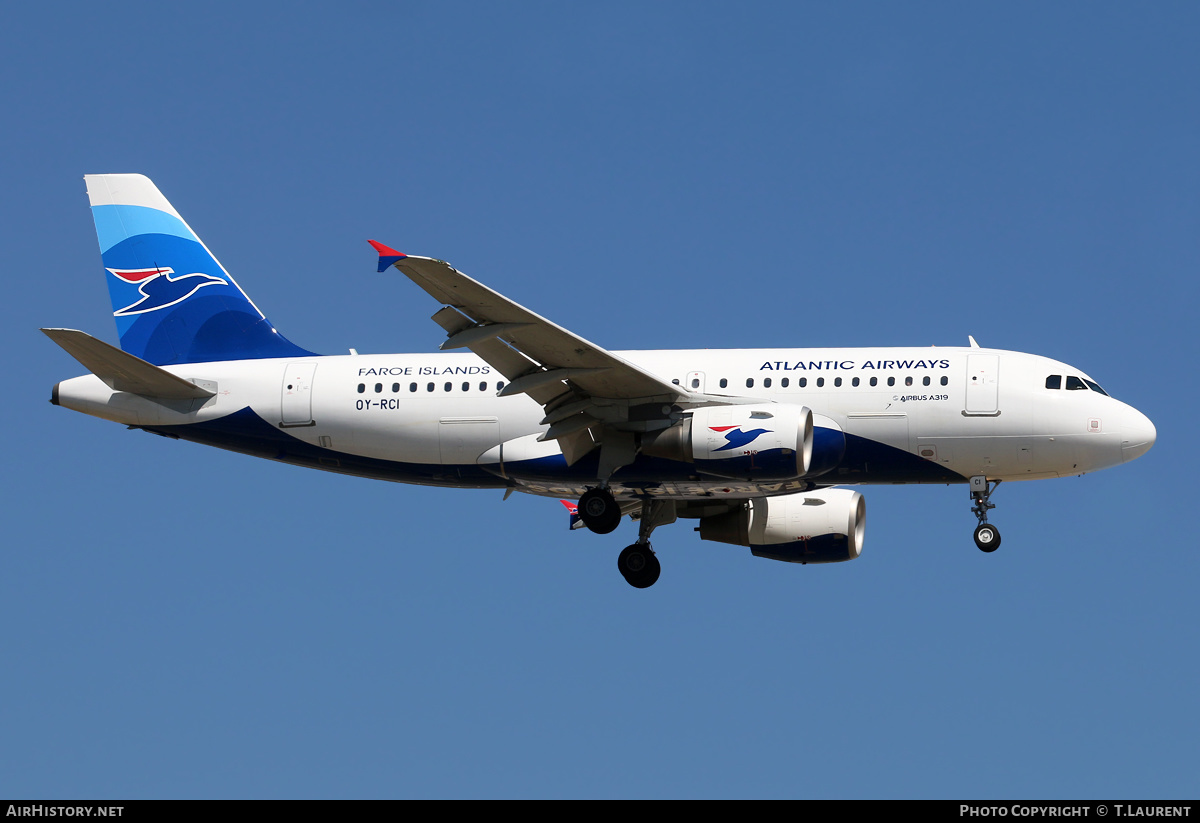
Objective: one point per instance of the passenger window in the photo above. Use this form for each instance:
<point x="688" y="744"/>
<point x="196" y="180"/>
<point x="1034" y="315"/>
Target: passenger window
<point x="378" y="388"/>
<point x="695" y="382"/>
<point x="412" y="386"/>
<point x="362" y="387"/>
<point x="499" y="385"/>
<point x="874" y="381"/>
<point x="908" y="381"/>
<point x="483" y="386"/>
<point x="837" y="381"/>
<point x="395" y="388"/>
<point x="925" y="381"/>
<point x="676" y="381"/>
<point x="1054" y="381"/>
<point x="724" y="382"/>
<point x="428" y="387"/>
<point x="854" y="382"/>
<point x="784" y="382"/>
<point x="466" y="386"/>
<point x="749" y="382"/>
<point x="820" y="382"/>
<point x="891" y="381"/>
<point x="803" y="382"/>
<point x="767" y="383"/>
<point x="1075" y="384"/>
<point x="945" y="380"/>
<point x="449" y="386"/>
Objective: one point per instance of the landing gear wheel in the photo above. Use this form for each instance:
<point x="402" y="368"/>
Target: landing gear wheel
<point x="987" y="537"/>
<point x="639" y="566"/>
<point x="599" y="511"/>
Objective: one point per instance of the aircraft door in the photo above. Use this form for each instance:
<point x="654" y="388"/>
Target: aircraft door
<point x="296" y="404"/>
<point x="695" y="382"/>
<point x="983" y="388"/>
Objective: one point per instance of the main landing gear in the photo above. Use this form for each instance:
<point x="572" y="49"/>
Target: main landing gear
<point x="638" y="565"/>
<point x="601" y="513"/>
<point x="987" y="536"/>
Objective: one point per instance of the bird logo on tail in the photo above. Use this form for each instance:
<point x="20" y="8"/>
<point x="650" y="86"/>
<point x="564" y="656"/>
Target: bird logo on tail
<point x="159" y="289"/>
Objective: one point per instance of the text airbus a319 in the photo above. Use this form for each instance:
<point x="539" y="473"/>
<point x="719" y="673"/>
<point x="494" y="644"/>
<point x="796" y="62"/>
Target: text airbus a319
<point x="756" y="445"/>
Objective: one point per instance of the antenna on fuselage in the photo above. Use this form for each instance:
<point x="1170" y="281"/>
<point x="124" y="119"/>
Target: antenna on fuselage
<point x="974" y="345"/>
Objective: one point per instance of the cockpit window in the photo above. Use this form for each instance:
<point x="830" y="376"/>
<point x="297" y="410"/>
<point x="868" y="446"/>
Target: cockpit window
<point x="1074" y="383"/>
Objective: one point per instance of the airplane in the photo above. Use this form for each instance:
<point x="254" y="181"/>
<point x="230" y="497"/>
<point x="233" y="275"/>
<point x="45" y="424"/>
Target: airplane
<point x="757" y="445"/>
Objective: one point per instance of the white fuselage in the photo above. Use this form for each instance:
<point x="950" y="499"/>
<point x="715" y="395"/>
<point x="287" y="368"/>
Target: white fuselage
<point x="908" y="415"/>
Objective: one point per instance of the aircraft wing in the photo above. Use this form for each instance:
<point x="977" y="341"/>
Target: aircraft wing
<point x="554" y="354"/>
<point x="591" y="396"/>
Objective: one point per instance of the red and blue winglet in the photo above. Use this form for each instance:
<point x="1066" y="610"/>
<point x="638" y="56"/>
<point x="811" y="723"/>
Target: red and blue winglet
<point x="387" y="256"/>
<point x="573" y="508"/>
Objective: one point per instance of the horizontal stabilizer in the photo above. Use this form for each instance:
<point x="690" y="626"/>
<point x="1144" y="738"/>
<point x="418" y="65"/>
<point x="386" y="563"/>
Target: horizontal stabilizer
<point x="122" y="371"/>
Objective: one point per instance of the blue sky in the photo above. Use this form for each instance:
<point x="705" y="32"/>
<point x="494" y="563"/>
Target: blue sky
<point x="184" y="622"/>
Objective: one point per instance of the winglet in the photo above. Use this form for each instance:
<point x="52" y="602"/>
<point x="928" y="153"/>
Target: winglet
<point x="573" y="509"/>
<point x="387" y="256"/>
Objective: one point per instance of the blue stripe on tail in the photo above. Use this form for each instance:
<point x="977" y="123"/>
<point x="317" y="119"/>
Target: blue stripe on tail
<point x="172" y="301"/>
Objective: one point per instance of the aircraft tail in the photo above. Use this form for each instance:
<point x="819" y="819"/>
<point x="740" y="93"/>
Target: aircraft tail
<point x="172" y="300"/>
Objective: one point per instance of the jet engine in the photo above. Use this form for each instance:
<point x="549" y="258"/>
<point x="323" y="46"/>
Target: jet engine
<point x="767" y="442"/>
<point x="824" y="526"/>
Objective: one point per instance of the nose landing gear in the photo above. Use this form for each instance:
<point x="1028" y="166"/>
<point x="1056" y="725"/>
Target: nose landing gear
<point x="987" y="536"/>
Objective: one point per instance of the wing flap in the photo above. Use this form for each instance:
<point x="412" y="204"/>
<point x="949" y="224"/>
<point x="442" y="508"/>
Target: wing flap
<point x="499" y="355"/>
<point x="576" y="445"/>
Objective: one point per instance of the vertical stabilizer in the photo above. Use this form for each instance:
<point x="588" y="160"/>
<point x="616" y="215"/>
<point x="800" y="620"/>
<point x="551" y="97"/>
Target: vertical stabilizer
<point x="172" y="300"/>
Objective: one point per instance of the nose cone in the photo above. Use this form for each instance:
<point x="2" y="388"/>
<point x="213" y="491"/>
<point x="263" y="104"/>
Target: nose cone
<point x="1137" y="435"/>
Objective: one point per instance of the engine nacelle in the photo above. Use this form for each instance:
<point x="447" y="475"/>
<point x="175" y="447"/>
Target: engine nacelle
<point x="772" y="441"/>
<point x="824" y="526"/>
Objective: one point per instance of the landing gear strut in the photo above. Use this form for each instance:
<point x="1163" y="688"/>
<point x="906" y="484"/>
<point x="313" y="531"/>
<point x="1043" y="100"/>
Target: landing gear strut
<point x="599" y="511"/>
<point x="637" y="563"/>
<point x="987" y="536"/>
